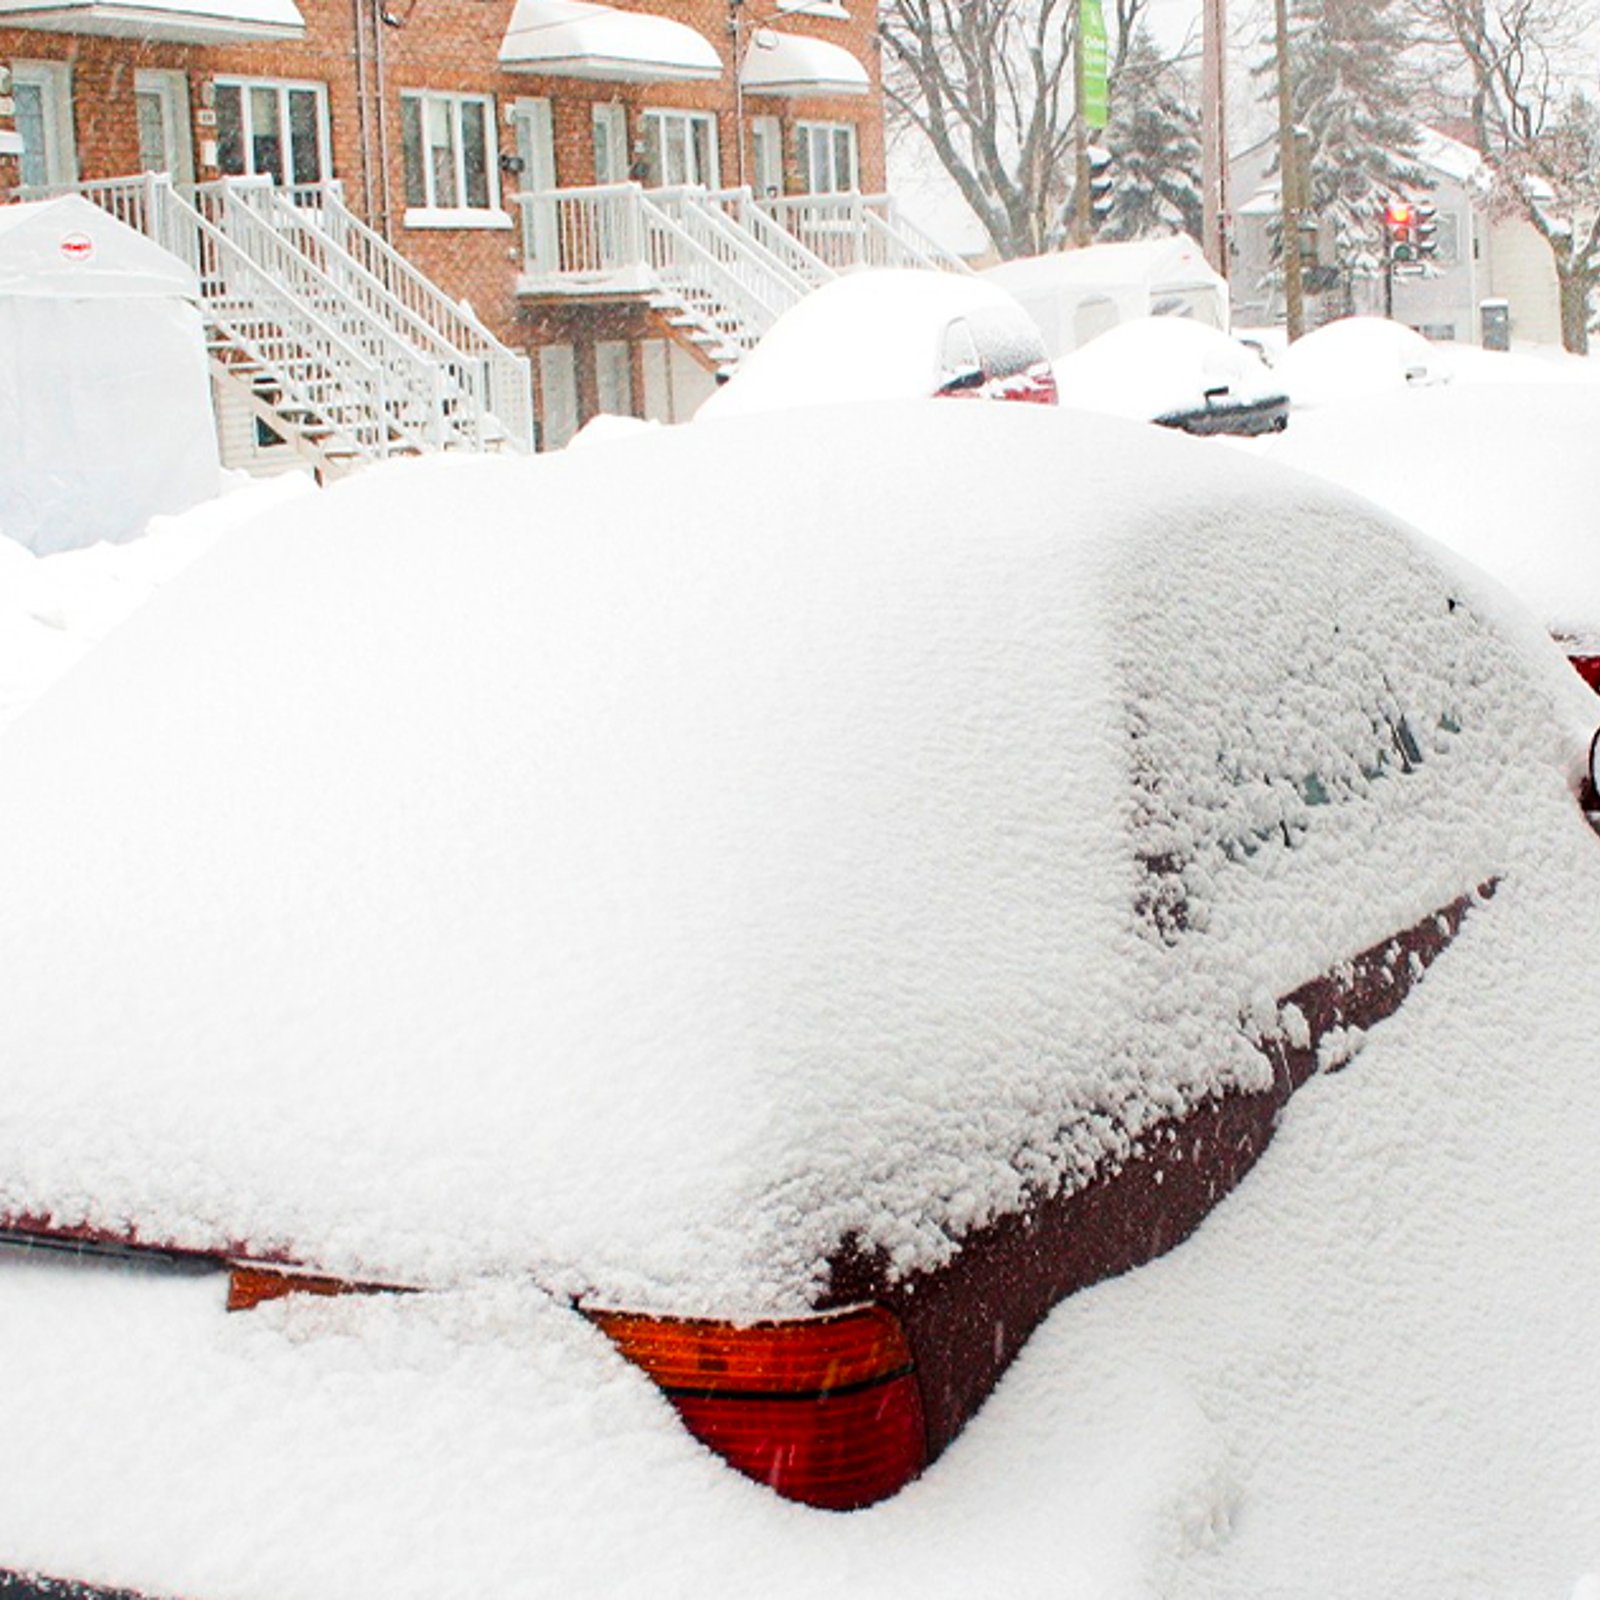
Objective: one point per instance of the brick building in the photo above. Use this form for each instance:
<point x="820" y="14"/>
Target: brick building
<point x="550" y="162"/>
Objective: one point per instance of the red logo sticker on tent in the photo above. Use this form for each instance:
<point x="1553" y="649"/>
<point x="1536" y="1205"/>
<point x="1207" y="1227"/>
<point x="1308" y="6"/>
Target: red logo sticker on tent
<point x="77" y="247"/>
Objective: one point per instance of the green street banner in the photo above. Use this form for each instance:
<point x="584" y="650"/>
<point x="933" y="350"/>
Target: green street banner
<point x="1092" y="58"/>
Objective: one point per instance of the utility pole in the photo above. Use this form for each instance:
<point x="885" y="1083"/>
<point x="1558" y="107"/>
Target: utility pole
<point x="1289" y="183"/>
<point x="1080" y="146"/>
<point x="1214" y="132"/>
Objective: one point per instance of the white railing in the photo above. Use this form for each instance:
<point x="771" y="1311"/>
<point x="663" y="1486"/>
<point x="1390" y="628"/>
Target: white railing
<point x="334" y="389"/>
<point x="592" y="233"/>
<point x="858" y="230"/>
<point x="497" y="375"/>
<point x="742" y="255"/>
<point x="734" y="309"/>
<point x="368" y="307"/>
<point x="740" y="204"/>
<point x="416" y="413"/>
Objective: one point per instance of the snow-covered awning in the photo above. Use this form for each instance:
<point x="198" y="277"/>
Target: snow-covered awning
<point x="580" y="39"/>
<point x="785" y="63"/>
<point x="177" y="21"/>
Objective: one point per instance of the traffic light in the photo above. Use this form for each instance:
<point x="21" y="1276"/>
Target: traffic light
<point x="1101" y="184"/>
<point x="1400" y="220"/>
<point x="1427" y="231"/>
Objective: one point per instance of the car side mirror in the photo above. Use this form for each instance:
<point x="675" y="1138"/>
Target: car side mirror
<point x="961" y="380"/>
<point x="1589" y="799"/>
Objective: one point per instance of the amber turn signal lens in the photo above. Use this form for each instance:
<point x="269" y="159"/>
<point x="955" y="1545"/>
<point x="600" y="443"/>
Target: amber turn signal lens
<point x="824" y="1410"/>
<point x="249" y="1286"/>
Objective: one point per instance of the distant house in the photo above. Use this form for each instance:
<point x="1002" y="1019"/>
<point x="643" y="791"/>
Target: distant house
<point x="1480" y="257"/>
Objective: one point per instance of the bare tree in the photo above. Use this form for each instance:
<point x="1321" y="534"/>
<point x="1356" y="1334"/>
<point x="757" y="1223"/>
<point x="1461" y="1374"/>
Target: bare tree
<point x="1539" y="137"/>
<point x="989" y="83"/>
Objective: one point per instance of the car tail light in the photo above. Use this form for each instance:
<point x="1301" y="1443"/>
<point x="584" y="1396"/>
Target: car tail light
<point x="824" y="1409"/>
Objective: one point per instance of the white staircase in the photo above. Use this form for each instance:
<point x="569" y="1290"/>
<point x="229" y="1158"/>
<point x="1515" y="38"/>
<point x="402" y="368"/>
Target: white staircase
<point x="326" y="333"/>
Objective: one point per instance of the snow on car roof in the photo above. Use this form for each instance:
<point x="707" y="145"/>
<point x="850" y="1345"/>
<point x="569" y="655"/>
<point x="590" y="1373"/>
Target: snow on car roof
<point x="486" y="871"/>
<point x="873" y="335"/>
<point x="1534" y="525"/>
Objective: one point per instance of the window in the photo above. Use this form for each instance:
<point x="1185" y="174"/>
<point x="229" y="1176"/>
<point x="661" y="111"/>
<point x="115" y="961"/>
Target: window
<point x="1447" y="250"/>
<point x="448" y="152"/>
<point x="826" y="153"/>
<point x="41" y="92"/>
<point x="680" y="147"/>
<point x="275" y="130"/>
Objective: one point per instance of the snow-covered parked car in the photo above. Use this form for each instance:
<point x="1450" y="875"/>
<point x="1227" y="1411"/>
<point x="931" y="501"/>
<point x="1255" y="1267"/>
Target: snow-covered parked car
<point x="892" y="334"/>
<point x="1178" y="373"/>
<point x="791" y="950"/>
<point x="1356" y="357"/>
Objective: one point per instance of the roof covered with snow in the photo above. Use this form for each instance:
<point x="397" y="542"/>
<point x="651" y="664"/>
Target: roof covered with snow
<point x="1158" y="263"/>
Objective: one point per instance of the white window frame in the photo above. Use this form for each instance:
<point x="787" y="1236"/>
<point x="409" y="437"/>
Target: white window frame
<point x="53" y="80"/>
<point x="282" y="87"/>
<point x="464" y="215"/>
<point x="809" y="138"/>
<point x="654" y="123"/>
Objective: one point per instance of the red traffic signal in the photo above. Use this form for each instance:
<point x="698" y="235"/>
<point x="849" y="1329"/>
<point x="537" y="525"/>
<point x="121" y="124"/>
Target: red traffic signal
<point x="1400" y="219"/>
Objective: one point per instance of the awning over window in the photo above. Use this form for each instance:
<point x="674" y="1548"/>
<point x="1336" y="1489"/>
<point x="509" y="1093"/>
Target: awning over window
<point x="580" y="39"/>
<point x="180" y="21"/>
<point x="784" y="63"/>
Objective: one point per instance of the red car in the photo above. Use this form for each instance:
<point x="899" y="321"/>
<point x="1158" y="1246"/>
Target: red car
<point x="807" y="946"/>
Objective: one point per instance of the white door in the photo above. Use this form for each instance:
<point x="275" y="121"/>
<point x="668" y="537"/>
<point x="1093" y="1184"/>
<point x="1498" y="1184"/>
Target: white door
<point x="766" y="143"/>
<point x="610" y="142"/>
<point x="162" y="102"/>
<point x="536" y="147"/>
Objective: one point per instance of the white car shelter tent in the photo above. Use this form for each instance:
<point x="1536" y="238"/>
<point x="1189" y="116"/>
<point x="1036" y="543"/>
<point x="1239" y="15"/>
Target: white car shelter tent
<point x="1075" y="294"/>
<point x="105" y="403"/>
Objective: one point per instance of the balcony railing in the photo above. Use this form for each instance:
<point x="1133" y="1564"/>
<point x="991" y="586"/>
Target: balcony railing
<point x="578" y="241"/>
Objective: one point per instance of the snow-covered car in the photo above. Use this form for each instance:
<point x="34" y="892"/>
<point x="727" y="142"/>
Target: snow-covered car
<point x="1498" y="471"/>
<point x="486" y="923"/>
<point x="1178" y="373"/>
<point x="1356" y="357"/>
<point x="890" y="334"/>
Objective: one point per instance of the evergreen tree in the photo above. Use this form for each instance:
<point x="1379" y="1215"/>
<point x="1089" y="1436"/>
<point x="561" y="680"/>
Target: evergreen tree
<point x="1154" y="140"/>
<point x="1351" y="92"/>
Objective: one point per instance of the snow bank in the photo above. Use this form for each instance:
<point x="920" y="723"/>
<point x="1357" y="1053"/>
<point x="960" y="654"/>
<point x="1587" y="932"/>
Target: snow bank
<point x="55" y="608"/>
